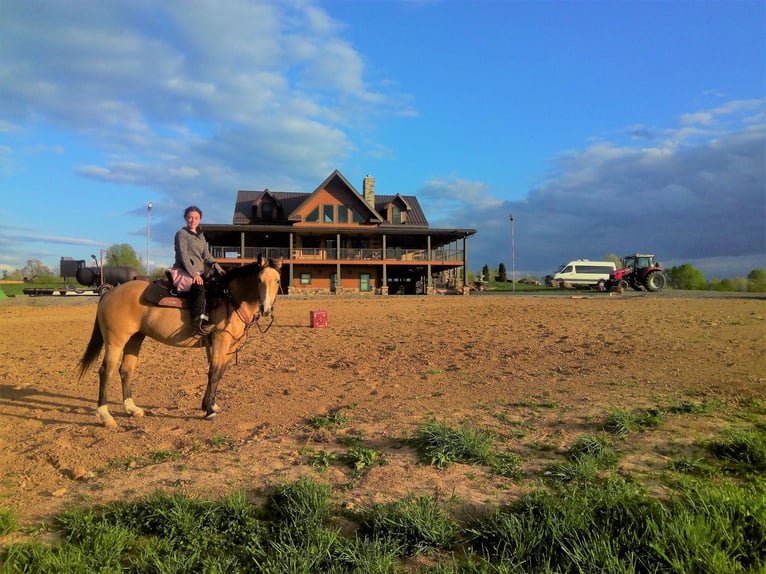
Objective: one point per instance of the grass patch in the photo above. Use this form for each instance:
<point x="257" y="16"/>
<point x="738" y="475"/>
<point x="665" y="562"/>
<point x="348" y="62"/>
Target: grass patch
<point x="621" y="422"/>
<point x="742" y="451"/>
<point x="362" y="458"/>
<point x="442" y="446"/>
<point x="336" y="418"/>
<point x="615" y="526"/>
<point x="417" y="525"/>
<point x="8" y="522"/>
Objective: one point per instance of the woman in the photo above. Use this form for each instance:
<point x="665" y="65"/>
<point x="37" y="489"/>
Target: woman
<point x="192" y="255"/>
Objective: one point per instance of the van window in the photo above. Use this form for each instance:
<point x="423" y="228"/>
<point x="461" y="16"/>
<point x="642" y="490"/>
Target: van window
<point x="599" y="269"/>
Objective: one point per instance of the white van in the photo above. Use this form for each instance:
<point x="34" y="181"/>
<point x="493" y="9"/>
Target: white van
<point x="583" y="272"/>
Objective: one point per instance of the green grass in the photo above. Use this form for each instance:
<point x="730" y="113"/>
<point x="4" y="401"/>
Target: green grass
<point x="709" y="517"/>
<point x="8" y="522"/>
<point x="336" y="419"/>
<point x="742" y="450"/>
<point x="610" y="526"/>
<point x="442" y="446"/>
<point x="622" y="422"/>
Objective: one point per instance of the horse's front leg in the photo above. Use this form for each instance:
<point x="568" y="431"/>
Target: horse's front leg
<point x="127" y="368"/>
<point x="218" y="359"/>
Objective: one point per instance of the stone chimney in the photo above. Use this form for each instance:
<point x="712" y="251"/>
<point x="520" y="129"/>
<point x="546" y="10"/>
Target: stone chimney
<point x="368" y="190"/>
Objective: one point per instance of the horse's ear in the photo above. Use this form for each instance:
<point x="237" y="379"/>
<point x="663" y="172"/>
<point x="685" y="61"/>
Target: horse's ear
<point x="276" y="263"/>
<point x="262" y="261"/>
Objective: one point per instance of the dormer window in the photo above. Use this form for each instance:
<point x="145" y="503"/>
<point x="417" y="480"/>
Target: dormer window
<point x="267" y="211"/>
<point x="396" y="214"/>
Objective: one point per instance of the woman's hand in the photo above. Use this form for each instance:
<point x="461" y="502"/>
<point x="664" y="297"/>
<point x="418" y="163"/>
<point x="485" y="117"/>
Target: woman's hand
<point x="198" y="280"/>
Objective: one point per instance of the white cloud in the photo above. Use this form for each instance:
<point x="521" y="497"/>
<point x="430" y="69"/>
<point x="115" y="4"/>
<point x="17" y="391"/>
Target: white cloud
<point x="699" y="199"/>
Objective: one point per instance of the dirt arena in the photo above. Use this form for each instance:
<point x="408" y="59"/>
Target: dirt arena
<point x="537" y="370"/>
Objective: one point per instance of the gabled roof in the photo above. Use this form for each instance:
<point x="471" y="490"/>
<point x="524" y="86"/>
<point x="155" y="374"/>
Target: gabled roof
<point x="357" y="198"/>
<point x="291" y="203"/>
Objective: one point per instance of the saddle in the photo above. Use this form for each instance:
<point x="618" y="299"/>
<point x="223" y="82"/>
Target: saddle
<point x="162" y="293"/>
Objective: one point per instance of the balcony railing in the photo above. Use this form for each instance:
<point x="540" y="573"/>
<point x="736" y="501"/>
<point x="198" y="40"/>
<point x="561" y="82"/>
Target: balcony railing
<point x="334" y="254"/>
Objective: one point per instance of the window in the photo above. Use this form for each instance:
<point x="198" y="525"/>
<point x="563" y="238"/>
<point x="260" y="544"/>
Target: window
<point x="597" y="269"/>
<point x="313" y="217"/>
<point x="357" y="217"/>
<point x="396" y="214"/>
<point x="327" y="214"/>
<point x="342" y="214"/>
<point x="364" y="282"/>
<point x="267" y="209"/>
<point x="305" y="278"/>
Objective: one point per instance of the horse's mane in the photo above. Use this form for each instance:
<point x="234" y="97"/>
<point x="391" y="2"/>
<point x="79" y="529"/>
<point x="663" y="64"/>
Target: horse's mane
<point x="241" y="272"/>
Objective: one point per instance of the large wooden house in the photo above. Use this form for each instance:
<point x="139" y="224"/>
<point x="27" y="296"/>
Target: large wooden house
<point x="337" y="240"/>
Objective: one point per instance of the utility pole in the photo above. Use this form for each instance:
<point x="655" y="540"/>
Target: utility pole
<point x="148" y="232"/>
<point x="513" y="255"/>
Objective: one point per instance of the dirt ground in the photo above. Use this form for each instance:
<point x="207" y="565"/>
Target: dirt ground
<point x="537" y="370"/>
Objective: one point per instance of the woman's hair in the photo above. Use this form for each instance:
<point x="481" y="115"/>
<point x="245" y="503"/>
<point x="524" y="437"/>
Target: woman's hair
<point x="192" y="208"/>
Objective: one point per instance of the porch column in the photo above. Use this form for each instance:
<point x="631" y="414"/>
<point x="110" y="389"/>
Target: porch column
<point x="339" y="282"/>
<point x="428" y="280"/>
<point x="465" y="264"/>
<point x="290" y="257"/>
<point x="384" y="287"/>
<point x="242" y="245"/>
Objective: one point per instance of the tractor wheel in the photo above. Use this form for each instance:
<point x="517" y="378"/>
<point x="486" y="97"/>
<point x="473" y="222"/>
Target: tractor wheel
<point x="103" y="288"/>
<point x="655" y="281"/>
<point x="623" y="285"/>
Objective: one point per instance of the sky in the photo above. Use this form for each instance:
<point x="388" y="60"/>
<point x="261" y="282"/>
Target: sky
<point x="604" y="127"/>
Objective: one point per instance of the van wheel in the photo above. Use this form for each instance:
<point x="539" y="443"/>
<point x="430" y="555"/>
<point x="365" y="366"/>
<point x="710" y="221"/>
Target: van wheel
<point x="601" y="285"/>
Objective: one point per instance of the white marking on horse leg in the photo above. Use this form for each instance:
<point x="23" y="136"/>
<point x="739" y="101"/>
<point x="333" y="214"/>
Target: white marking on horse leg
<point x="105" y="417"/>
<point x="210" y="416"/>
<point x="216" y="408"/>
<point x="132" y="409"/>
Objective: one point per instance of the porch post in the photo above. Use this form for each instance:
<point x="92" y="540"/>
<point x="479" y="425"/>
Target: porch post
<point x="241" y="244"/>
<point x="428" y="267"/>
<point x="384" y="287"/>
<point x="290" y="257"/>
<point x="339" y="283"/>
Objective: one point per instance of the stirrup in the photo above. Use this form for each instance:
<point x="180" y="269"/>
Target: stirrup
<point x="201" y="327"/>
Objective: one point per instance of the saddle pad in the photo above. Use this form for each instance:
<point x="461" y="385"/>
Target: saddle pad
<point x="158" y="293"/>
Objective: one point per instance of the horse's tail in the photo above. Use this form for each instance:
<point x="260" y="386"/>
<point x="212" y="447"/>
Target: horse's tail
<point x="93" y="349"/>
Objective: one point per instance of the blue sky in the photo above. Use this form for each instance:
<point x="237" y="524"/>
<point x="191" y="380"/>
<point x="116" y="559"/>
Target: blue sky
<point x="604" y="127"/>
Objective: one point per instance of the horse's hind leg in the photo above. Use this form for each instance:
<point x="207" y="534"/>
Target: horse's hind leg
<point x="106" y="372"/>
<point x="127" y="368"/>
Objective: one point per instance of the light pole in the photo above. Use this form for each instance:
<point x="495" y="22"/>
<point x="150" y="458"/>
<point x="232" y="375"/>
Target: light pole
<point x="148" y="232"/>
<point x="513" y="255"/>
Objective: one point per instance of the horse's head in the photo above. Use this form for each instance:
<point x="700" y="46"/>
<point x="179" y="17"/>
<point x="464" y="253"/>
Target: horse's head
<point x="268" y="284"/>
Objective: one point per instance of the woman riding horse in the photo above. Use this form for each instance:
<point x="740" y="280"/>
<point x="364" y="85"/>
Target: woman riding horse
<point x="124" y="318"/>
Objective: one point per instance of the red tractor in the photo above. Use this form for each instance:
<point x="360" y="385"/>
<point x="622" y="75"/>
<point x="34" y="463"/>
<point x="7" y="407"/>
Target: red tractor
<point x="638" y="271"/>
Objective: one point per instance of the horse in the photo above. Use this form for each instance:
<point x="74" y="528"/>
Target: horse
<point x="125" y="317"/>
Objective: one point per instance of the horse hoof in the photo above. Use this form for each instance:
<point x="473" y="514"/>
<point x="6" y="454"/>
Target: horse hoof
<point x="216" y="409"/>
<point x="211" y="415"/>
<point x="105" y="417"/>
<point x="132" y="409"/>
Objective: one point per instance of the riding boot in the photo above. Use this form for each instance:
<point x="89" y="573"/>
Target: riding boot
<point x="197" y="303"/>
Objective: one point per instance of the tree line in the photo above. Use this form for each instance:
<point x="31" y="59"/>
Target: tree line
<point x="118" y="255"/>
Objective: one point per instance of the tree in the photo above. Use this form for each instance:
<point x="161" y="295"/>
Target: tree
<point x="756" y="280"/>
<point x="122" y="255"/>
<point x="686" y="277"/>
<point x="502" y="272"/>
<point x="485" y="273"/>
<point x="612" y="257"/>
<point x="36" y="268"/>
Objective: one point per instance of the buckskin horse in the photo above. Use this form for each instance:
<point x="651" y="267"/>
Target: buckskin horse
<point x="126" y="316"/>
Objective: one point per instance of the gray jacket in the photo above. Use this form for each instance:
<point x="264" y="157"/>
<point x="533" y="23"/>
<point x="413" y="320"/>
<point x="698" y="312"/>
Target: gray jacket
<point x="192" y="253"/>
